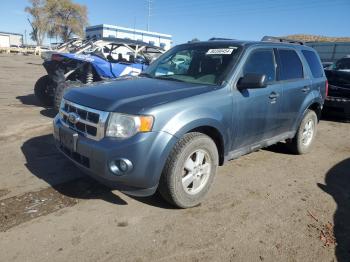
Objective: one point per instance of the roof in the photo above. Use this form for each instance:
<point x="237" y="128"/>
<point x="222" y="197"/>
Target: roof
<point x="106" y="26"/>
<point x="8" y="33"/>
<point x="114" y="40"/>
<point x="247" y="43"/>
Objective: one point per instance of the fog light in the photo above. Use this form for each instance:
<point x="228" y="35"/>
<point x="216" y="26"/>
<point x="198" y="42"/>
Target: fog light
<point x="123" y="166"/>
<point x="120" y="166"/>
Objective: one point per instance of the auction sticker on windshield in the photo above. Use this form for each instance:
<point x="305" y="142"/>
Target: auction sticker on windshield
<point x="220" y="51"/>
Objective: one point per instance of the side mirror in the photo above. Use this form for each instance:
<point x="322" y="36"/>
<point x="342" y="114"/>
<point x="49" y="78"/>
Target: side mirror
<point x="250" y="81"/>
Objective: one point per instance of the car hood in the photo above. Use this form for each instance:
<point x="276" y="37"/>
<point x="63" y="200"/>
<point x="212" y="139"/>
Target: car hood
<point x="133" y="95"/>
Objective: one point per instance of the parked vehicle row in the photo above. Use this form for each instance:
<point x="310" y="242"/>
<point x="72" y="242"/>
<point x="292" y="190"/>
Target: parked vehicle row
<point x="194" y="108"/>
<point x="338" y="75"/>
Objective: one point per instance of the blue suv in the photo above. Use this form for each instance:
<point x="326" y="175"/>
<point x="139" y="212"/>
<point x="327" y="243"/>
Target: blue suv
<point x="196" y="107"/>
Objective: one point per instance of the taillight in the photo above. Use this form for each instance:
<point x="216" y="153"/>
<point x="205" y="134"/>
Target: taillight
<point x="56" y="57"/>
<point x="326" y="88"/>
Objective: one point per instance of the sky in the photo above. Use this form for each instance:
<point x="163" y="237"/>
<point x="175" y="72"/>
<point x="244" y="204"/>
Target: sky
<point x="203" y="19"/>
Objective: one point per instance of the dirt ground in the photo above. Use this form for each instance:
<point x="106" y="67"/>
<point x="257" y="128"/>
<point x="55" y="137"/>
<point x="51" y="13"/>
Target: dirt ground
<point x="266" y="206"/>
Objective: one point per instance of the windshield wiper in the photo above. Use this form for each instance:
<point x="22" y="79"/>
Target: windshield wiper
<point x="169" y="77"/>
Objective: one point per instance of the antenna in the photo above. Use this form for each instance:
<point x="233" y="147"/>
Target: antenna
<point x="149" y="13"/>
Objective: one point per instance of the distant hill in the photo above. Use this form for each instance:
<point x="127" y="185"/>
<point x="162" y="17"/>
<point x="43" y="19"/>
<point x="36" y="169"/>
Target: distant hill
<point x="317" y="38"/>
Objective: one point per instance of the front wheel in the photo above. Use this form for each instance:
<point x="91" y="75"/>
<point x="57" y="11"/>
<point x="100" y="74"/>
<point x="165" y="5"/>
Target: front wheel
<point x="43" y="90"/>
<point x="305" y="136"/>
<point x="189" y="170"/>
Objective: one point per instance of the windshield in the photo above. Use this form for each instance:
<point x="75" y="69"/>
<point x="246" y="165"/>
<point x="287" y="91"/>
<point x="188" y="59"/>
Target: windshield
<point x="198" y="64"/>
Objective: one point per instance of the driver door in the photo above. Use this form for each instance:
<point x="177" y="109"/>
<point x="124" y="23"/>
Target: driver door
<point x="258" y="115"/>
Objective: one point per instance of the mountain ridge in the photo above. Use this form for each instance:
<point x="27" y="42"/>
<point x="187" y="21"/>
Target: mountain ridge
<point x="316" y="38"/>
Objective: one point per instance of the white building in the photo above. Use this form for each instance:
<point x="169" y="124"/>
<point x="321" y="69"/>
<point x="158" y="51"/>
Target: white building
<point x="10" y="39"/>
<point x="153" y="38"/>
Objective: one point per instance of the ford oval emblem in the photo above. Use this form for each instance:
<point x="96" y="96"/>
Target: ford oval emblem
<point x="73" y="118"/>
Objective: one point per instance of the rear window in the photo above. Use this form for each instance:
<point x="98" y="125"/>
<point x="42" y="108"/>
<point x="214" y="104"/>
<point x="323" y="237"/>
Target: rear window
<point x="314" y="63"/>
<point x="291" y="66"/>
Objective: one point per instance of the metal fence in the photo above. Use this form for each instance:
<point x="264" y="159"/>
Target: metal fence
<point x="331" y="51"/>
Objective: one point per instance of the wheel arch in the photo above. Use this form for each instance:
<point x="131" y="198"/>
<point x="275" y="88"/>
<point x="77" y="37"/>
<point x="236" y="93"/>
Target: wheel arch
<point x="211" y="129"/>
<point x="216" y="136"/>
<point x="317" y="108"/>
<point x="312" y="103"/>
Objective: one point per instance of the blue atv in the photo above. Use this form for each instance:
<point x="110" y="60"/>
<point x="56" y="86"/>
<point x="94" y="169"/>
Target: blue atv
<point x="100" y="60"/>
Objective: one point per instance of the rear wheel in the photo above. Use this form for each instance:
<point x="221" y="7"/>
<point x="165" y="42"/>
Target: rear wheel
<point x="189" y="170"/>
<point x="43" y="90"/>
<point x="304" y="138"/>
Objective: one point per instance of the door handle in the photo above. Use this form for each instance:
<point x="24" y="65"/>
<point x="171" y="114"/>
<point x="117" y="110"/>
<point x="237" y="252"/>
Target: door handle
<point x="305" y="89"/>
<point x="274" y="95"/>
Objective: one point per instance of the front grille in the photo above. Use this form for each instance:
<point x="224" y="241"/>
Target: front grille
<point x="83" y="160"/>
<point x="339" y="92"/>
<point x="337" y="99"/>
<point x="91" y="122"/>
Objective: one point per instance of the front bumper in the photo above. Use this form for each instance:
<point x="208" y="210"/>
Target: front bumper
<point x="146" y="151"/>
<point x="337" y="105"/>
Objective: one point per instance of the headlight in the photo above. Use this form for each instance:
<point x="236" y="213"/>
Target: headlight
<point x="125" y="126"/>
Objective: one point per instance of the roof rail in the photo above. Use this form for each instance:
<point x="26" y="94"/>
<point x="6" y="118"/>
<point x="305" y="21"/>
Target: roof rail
<point x="219" y="38"/>
<point x="281" y="40"/>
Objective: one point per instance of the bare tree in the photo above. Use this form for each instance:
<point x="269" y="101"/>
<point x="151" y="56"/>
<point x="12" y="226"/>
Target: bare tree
<point x="66" y="19"/>
<point x="39" y="20"/>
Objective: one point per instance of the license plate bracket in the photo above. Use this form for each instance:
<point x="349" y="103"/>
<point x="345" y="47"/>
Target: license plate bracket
<point x="68" y="138"/>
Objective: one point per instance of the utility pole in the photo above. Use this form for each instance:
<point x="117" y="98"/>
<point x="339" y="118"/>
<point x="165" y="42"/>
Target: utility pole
<point x="149" y="14"/>
<point x="134" y="27"/>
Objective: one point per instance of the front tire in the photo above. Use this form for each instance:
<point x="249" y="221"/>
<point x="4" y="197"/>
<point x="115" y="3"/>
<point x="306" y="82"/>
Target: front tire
<point x="305" y="136"/>
<point x="43" y="90"/>
<point x="189" y="170"/>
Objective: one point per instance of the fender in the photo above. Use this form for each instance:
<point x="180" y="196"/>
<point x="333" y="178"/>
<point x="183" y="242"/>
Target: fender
<point x="187" y="120"/>
<point x="312" y="98"/>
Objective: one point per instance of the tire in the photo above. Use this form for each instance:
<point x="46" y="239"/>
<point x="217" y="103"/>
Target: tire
<point x="42" y="91"/>
<point x="175" y="184"/>
<point x="59" y="92"/>
<point x="304" y="138"/>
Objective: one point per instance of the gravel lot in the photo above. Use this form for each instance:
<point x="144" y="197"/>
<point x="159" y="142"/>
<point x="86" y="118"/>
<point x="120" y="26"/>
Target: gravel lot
<point x="266" y="206"/>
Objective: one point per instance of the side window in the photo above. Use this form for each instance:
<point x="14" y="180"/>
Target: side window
<point x="291" y="66"/>
<point x="343" y="64"/>
<point x="314" y="63"/>
<point x="261" y="62"/>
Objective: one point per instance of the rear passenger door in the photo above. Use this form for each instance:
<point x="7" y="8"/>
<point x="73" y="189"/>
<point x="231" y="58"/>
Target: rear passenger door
<point x="296" y="86"/>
